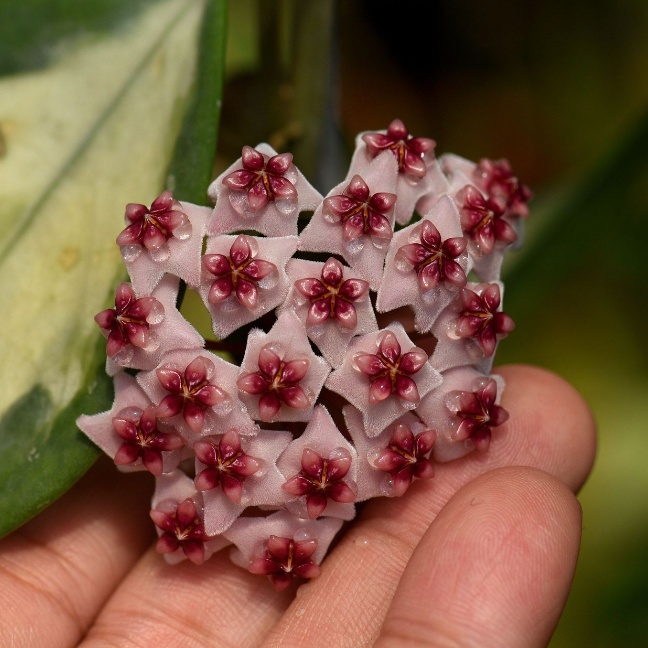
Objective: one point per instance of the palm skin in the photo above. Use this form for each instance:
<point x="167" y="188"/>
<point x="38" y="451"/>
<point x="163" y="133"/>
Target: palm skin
<point x="481" y="555"/>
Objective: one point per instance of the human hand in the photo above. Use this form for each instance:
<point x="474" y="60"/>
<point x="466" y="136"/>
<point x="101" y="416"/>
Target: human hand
<point x="481" y="555"/>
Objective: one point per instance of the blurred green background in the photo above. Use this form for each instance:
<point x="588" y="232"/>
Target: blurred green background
<point x="561" y="90"/>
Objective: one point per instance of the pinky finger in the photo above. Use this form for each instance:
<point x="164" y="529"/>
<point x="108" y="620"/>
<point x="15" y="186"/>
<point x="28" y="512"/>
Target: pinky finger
<point x="493" y="569"/>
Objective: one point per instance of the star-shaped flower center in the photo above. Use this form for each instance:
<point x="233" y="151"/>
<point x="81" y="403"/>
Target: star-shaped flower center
<point x="262" y="178"/>
<point x="191" y="392"/>
<point x="128" y="323"/>
<point x="476" y="413"/>
<point x="183" y="529"/>
<point x="405" y="457"/>
<point x="433" y="259"/>
<point x="321" y="479"/>
<point x="480" y="320"/>
<point x="332" y="296"/>
<point x="142" y="439"/>
<point x="360" y="212"/>
<point x="278" y="382"/>
<point x="409" y="151"/>
<point x="390" y="371"/>
<point x="153" y="227"/>
<point x="239" y="274"/>
<point x="285" y="558"/>
<point x="483" y="219"/>
<point x="497" y="178"/>
<point x="227" y="465"/>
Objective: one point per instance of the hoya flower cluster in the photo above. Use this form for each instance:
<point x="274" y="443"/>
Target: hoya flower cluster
<point x="330" y="401"/>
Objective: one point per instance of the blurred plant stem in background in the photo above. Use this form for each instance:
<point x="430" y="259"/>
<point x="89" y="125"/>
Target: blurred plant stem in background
<point x="287" y="92"/>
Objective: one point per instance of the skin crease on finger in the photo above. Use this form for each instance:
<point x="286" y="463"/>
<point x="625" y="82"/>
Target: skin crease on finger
<point x="550" y="428"/>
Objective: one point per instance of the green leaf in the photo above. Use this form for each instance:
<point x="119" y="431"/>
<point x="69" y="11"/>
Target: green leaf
<point x="79" y="138"/>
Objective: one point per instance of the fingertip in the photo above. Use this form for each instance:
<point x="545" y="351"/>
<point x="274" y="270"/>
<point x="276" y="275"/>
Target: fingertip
<point x="549" y="419"/>
<point x="494" y="568"/>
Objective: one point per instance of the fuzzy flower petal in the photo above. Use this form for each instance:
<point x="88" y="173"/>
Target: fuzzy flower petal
<point x="176" y="250"/>
<point x="264" y="545"/>
<point x="356" y="220"/>
<point x="196" y="391"/>
<point x="261" y="191"/>
<point x="407" y="280"/>
<point x="461" y="391"/>
<point x="130" y="434"/>
<point x="177" y="512"/>
<point x="469" y="330"/>
<point x="372" y="380"/>
<point x="237" y="472"/>
<point x="338" y="297"/>
<point x="320" y="468"/>
<point x="383" y="471"/>
<point x="280" y="376"/>
<point x="172" y="332"/>
<point x="244" y="277"/>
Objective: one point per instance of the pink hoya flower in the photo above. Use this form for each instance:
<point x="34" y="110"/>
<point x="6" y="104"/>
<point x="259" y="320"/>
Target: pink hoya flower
<point x="233" y="473"/>
<point x="480" y="319"/>
<point x="153" y="227"/>
<point x="405" y="457"/>
<point x="191" y="392"/>
<point x="356" y="219"/>
<point x="410" y="152"/>
<point x="167" y="239"/>
<point x="384" y="375"/>
<point x="331" y="296"/>
<point x="286" y="558"/>
<point x="179" y="519"/>
<point x="167" y="329"/>
<point x="359" y="212"/>
<point x="226" y="464"/>
<point x="142" y="440"/>
<point x="390" y="371"/>
<point x="466" y="397"/>
<point x="482" y="219"/>
<point x="244" y="277"/>
<point x="129" y="322"/>
<point x="263" y="191"/>
<point x="476" y="413"/>
<point x="181" y="528"/>
<point x="277" y="382"/>
<point x="251" y="536"/>
<point x="417" y="258"/>
<point x="238" y="274"/>
<point x="261" y="179"/>
<point x="497" y="178"/>
<point x="321" y="468"/>
<point x="280" y="375"/>
<point x="433" y="259"/>
<point x="321" y="479"/>
<point x="129" y="434"/>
